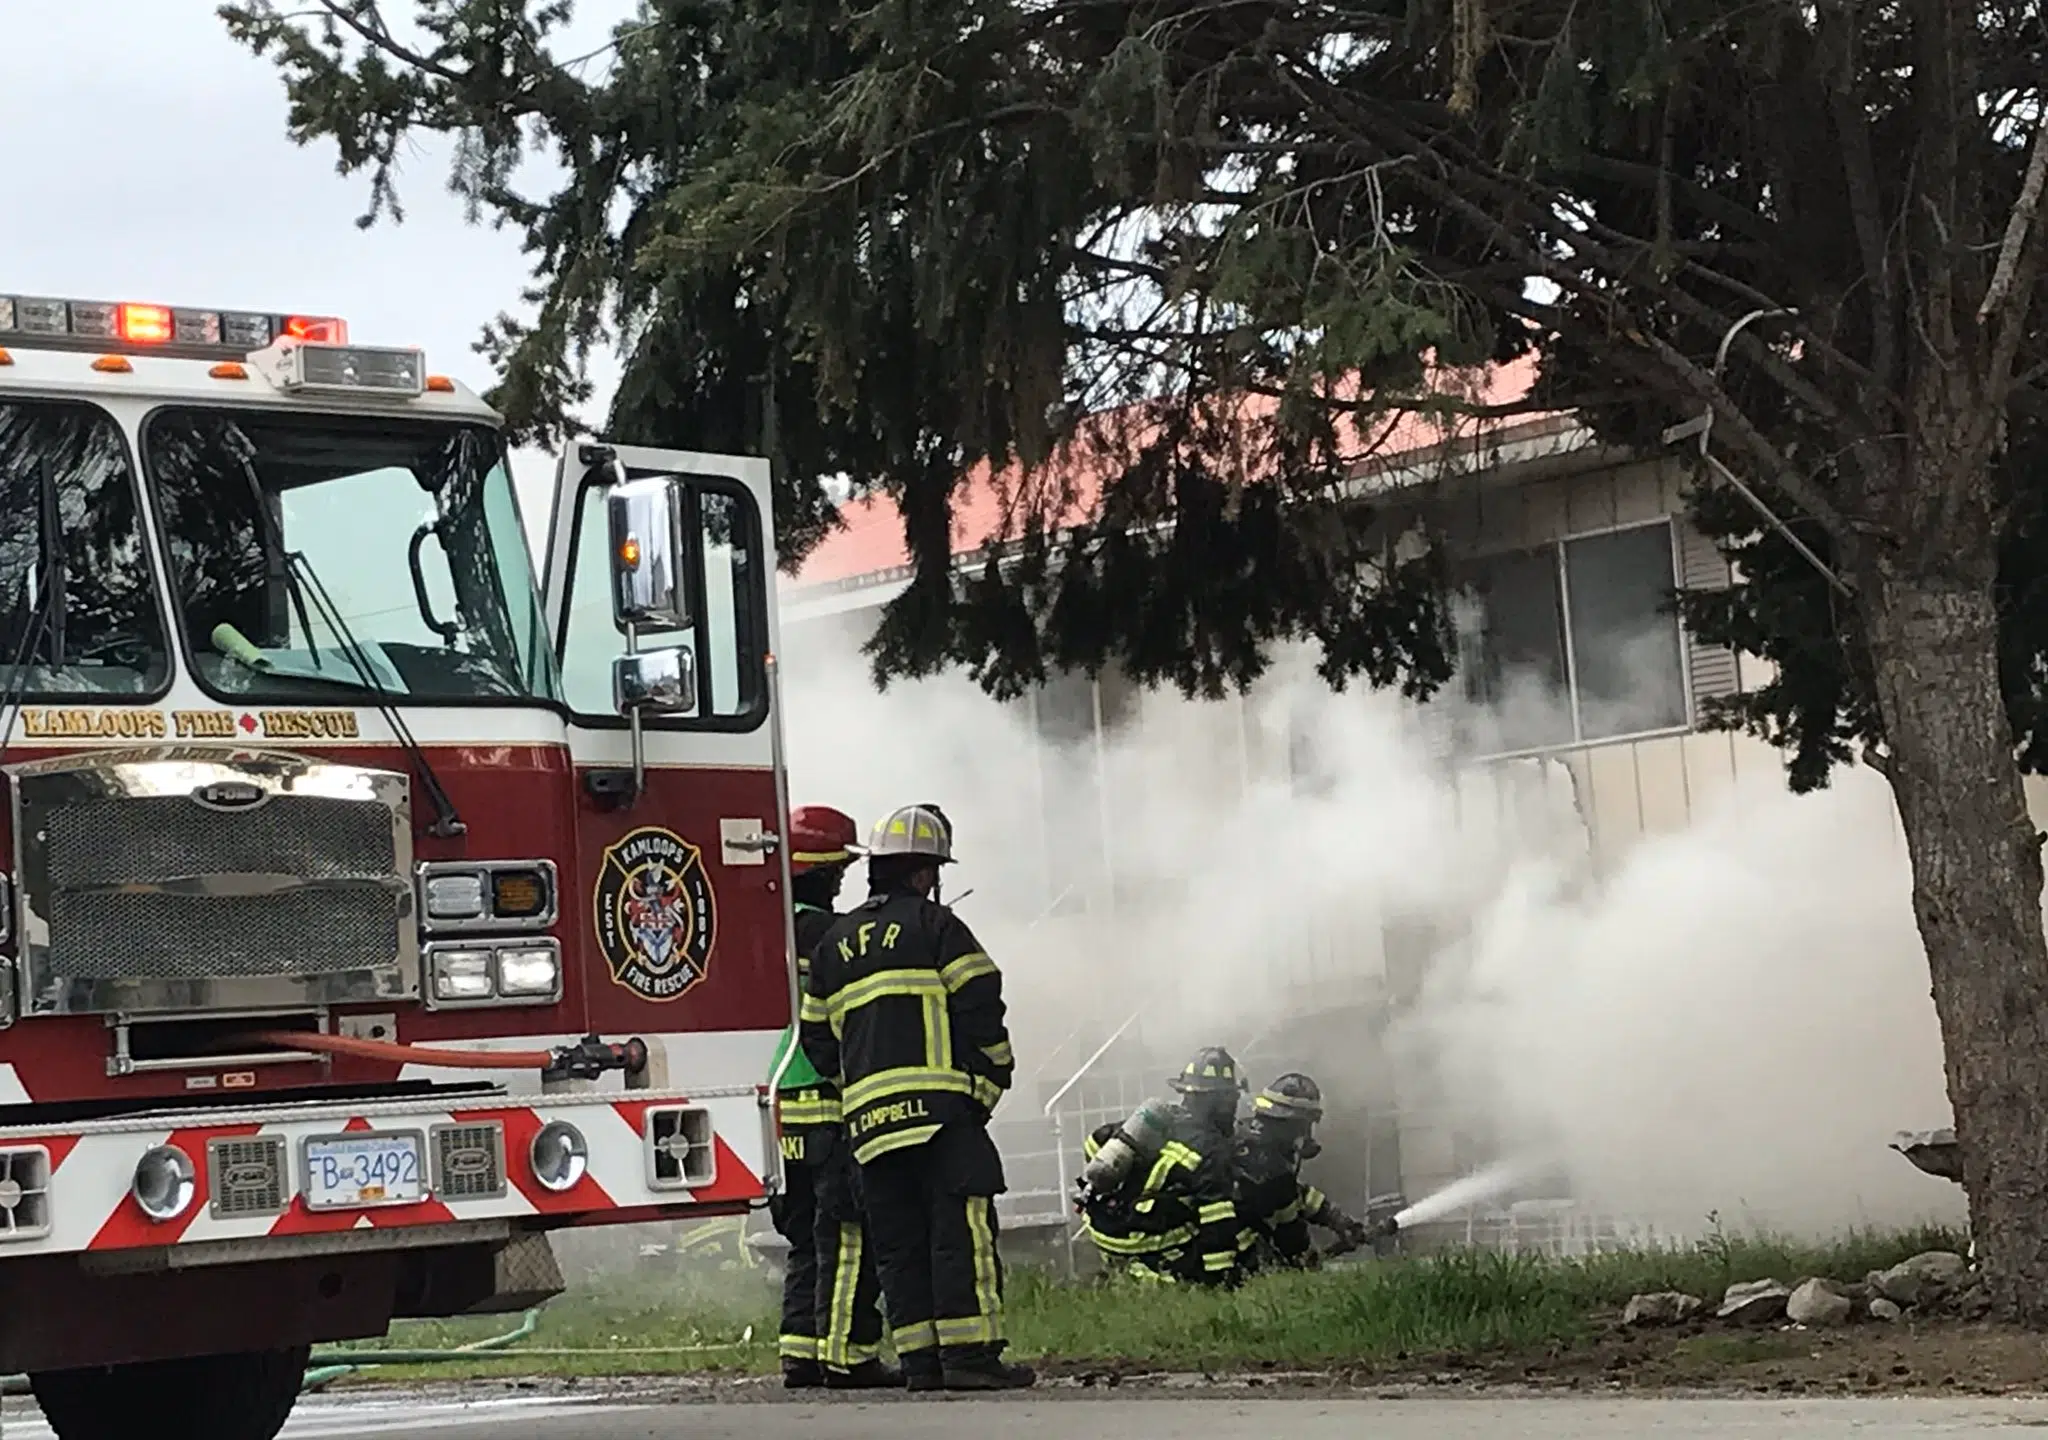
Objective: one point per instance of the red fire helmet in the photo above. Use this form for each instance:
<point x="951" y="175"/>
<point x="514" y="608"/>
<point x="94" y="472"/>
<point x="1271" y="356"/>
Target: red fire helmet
<point x="820" y="835"/>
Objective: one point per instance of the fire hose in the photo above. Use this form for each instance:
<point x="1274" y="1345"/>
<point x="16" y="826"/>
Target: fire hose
<point x="585" y="1060"/>
<point x="325" y="1366"/>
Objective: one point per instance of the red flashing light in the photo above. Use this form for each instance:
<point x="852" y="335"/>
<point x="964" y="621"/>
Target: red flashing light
<point x="146" y="324"/>
<point x="317" y="329"/>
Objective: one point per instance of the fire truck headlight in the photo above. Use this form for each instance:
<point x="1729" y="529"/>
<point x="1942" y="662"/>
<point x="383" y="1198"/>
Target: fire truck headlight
<point x="529" y="971"/>
<point x="559" y="1155"/>
<point x="164" y="1183"/>
<point x="461" y="974"/>
<point x="455" y="897"/>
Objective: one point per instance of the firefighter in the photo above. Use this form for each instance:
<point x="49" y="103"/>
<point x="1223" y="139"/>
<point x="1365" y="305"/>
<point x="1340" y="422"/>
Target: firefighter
<point x="831" y="1310"/>
<point x="905" y="1008"/>
<point x="1274" y="1205"/>
<point x="1158" y="1192"/>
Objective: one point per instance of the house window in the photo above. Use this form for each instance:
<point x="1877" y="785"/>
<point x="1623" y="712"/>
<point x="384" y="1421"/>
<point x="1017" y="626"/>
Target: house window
<point x="1577" y="641"/>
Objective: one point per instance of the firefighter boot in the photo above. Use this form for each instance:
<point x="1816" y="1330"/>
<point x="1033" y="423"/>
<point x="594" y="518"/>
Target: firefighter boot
<point x="868" y="1375"/>
<point x="802" y="1374"/>
<point x="981" y="1367"/>
<point x="922" y="1371"/>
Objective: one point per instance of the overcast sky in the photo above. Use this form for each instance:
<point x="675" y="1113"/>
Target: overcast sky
<point x="146" y="159"/>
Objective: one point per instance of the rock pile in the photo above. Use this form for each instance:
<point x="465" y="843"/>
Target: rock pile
<point x="1936" y="1282"/>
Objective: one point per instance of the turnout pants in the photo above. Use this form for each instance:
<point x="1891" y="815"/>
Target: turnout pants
<point x="831" y="1311"/>
<point x="932" y="1219"/>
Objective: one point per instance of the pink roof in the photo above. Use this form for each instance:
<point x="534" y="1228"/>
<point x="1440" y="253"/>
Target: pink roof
<point x="870" y="536"/>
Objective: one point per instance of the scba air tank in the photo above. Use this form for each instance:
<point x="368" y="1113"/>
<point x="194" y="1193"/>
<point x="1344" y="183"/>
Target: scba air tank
<point x="1141" y="1137"/>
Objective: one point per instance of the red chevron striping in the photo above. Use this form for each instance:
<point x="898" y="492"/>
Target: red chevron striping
<point x="733" y="1180"/>
<point x="586" y="1194"/>
<point x="128" y="1227"/>
<point x="59" y="1146"/>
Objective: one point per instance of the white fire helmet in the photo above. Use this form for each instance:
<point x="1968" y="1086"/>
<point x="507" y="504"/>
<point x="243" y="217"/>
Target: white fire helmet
<point x="913" y="830"/>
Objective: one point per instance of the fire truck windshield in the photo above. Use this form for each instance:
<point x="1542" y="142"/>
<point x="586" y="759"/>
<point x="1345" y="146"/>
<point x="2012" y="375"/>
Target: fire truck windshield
<point x="409" y="528"/>
<point x="78" y="610"/>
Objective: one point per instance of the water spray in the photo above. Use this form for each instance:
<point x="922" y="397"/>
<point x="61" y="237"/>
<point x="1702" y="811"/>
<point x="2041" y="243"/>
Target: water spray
<point x="1495" y="1180"/>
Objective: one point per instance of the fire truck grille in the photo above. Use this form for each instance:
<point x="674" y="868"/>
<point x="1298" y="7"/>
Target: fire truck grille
<point x="350" y="921"/>
<point x="469" y="1161"/>
<point x="108" y="842"/>
<point x="179" y="937"/>
<point x="246" y="1177"/>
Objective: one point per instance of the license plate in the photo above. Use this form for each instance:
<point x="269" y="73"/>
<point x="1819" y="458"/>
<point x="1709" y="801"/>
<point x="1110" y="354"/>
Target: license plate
<point x="353" y="1172"/>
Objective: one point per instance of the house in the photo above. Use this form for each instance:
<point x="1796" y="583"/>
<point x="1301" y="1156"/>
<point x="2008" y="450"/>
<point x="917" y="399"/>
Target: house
<point x="1577" y="719"/>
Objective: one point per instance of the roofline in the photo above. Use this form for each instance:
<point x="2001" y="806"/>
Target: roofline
<point x="1534" y="449"/>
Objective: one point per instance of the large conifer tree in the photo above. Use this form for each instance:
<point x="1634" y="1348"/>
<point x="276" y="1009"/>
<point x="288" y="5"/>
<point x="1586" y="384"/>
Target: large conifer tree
<point x="900" y="238"/>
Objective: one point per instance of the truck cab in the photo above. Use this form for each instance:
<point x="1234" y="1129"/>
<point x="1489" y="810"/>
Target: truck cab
<point x="375" y="897"/>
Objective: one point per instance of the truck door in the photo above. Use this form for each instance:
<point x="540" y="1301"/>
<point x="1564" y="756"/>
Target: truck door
<point x="677" y="899"/>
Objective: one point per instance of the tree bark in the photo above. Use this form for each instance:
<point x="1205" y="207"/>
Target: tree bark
<point x="1933" y="638"/>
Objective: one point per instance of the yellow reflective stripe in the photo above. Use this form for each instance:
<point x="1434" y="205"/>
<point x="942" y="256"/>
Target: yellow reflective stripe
<point x="969" y="1330"/>
<point x="988" y="1284"/>
<point x="813" y="1011"/>
<point x="1172" y="1156"/>
<point x="971" y="966"/>
<point x="987" y="1093"/>
<point x="807" y="1107"/>
<point x="1220" y="1260"/>
<point x="819" y="857"/>
<point x="845" y="1277"/>
<point x="858" y="1355"/>
<point x="1287" y="1214"/>
<point x="1142" y="1244"/>
<point x="1162" y="1170"/>
<point x="1217" y="1212"/>
<point x="1246" y="1239"/>
<point x="1090" y="1148"/>
<point x="904" y="1080"/>
<point x="908" y="1338"/>
<point x="1139" y="1271"/>
<point x="912" y="984"/>
<point x="938" y="1033"/>
<point x="798" y="1347"/>
<point x="999" y="1053"/>
<point x="1313" y="1200"/>
<point x="869" y="1150"/>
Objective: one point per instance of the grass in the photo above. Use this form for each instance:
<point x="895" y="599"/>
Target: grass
<point x="1375" y="1313"/>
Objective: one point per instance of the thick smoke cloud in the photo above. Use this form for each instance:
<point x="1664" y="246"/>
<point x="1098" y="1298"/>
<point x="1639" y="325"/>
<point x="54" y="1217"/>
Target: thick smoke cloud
<point x="1733" y="1018"/>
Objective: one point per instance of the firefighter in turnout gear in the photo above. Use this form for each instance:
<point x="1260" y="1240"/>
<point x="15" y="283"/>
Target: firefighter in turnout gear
<point x="905" y="1009"/>
<point x="831" y="1299"/>
<point x="1158" y="1189"/>
<point x="1276" y="1207"/>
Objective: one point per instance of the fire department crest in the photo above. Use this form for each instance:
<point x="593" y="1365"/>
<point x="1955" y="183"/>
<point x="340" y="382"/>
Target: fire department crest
<point x="656" y="919"/>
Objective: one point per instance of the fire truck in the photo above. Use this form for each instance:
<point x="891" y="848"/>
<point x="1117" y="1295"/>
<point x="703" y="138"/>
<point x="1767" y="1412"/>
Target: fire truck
<point x="378" y="897"/>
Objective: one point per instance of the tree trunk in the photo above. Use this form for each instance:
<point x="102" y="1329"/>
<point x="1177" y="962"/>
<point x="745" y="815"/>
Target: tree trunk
<point x="1977" y="877"/>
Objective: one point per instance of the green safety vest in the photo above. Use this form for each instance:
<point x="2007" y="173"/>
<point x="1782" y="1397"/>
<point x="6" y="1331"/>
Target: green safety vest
<point x="801" y="1074"/>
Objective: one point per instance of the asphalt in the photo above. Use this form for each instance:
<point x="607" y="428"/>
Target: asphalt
<point x="1089" y="1418"/>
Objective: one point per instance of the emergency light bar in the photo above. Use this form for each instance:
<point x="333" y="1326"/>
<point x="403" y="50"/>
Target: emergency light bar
<point x="29" y="321"/>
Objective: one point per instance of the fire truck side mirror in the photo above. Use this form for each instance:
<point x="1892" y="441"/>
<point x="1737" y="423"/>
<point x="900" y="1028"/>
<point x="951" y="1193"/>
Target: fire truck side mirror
<point x="655" y="682"/>
<point x="650" y="554"/>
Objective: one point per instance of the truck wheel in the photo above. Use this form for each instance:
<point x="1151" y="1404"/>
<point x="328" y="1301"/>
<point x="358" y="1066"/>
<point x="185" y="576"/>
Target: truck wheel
<point x="208" y="1397"/>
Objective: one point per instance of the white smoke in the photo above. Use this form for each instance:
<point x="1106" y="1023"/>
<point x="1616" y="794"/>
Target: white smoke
<point x="1733" y="1017"/>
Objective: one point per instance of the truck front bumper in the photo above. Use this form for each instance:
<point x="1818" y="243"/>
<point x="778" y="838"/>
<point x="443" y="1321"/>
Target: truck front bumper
<point x="247" y="1191"/>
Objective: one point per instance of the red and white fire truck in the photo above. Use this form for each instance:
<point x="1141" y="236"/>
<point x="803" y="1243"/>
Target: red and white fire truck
<point x="373" y="904"/>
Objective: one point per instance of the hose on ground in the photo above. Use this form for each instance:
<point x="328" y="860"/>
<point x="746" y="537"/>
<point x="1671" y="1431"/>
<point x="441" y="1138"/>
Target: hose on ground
<point x="326" y="1366"/>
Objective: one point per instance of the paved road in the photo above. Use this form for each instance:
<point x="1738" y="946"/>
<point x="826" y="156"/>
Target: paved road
<point x="1158" y="1419"/>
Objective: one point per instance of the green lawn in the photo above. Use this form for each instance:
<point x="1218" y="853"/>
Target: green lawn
<point x="1463" y="1302"/>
